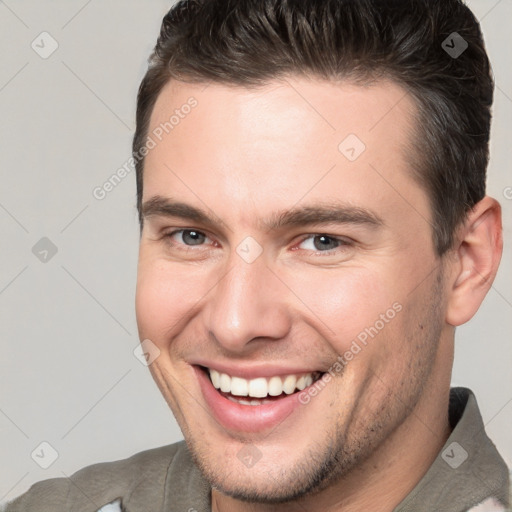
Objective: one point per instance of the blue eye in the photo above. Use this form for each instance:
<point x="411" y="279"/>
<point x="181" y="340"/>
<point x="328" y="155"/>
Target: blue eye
<point x="321" y="243"/>
<point x="188" y="236"/>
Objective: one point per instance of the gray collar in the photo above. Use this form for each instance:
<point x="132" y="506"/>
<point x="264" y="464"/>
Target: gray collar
<point x="468" y="469"/>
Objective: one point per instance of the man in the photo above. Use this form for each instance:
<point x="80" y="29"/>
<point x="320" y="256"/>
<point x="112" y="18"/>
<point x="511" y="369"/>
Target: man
<point x="314" y="225"/>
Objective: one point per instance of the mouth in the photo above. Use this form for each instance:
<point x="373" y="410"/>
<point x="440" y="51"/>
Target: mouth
<point x="261" y="390"/>
<point x="259" y="401"/>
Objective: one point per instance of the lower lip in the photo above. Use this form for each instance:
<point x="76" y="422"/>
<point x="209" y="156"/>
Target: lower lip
<point x="245" y="418"/>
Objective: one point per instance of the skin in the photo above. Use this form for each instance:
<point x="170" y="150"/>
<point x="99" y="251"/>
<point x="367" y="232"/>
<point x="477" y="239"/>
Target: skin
<point x="245" y="156"/>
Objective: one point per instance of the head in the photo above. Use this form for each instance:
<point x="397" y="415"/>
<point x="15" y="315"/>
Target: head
<point x="311" y="211"/>
<point x="363" y="42"/>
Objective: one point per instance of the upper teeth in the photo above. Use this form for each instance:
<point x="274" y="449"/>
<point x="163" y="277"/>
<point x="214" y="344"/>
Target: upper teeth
<point x="261" y="386"/>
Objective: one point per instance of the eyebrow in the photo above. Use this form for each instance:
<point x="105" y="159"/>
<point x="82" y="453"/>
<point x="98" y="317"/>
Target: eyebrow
<point x="324" y="213"/>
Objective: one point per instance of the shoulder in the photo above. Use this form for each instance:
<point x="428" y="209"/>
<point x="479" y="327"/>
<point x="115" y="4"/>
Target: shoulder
<point x="93" y="486"/>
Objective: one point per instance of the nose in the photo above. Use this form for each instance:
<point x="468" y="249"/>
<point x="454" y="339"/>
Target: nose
<point x="248" y="304"/>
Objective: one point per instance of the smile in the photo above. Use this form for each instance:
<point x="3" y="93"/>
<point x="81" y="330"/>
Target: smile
<point x="260" y="387"/>
<point x="261" y="401"/>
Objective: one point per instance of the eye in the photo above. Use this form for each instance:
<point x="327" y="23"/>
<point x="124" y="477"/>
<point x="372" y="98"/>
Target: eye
<point x="188" y="237"/>
<point x="322" y="243"/>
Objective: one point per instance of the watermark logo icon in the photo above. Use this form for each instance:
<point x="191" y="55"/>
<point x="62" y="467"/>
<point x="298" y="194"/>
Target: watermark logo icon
<point x="146" y="352"/>
<point x="44" y="455"/>
<point x="249" y="455"/>
<point x="44" y="45"/>
<point x="351" y="147"/>
<point x="249" y="249"/>
<point x="44" y="250"/>
<point x="454" y="455"/>
<point x="454" y="45"/>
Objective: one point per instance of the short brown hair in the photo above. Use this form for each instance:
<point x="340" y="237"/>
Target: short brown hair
<point x="250" y="42"/>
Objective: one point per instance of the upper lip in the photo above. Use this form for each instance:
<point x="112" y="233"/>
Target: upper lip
<point x="255" y="370"/>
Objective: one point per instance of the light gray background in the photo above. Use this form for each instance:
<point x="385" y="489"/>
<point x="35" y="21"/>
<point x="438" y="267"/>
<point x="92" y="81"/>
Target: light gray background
<point x="68" y="375"/>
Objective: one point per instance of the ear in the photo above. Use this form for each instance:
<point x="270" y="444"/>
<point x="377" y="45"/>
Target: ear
<point x="476" y="258"/>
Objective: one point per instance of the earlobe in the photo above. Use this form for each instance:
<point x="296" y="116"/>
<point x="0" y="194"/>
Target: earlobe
<point x="478" y="252"/>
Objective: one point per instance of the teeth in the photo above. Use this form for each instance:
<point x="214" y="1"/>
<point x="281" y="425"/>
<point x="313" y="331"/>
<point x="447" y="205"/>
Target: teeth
<point x="239" y="387"/>
<point x="275" y="386"/>
<point x="214" y="375"/>
<point x="289" y="384"/>
<point x="225" y="383"/>
<point x="259" y="387"/>
<point x="248" y="402"/>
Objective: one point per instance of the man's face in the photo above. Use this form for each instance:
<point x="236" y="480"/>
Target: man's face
<point x="306" y="250"/>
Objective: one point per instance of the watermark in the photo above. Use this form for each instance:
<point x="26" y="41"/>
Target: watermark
<point x="146" y="352"/>
<point x="351" y="147"/>
<point x="357" y="345"/>
<point x="44" y="250"/>
<point x="44" y="45"/>
<point x="249" y="249"/>
<point x="454" y="45"/>
<point x="100" y="192"/>
<point x="454" y="455"/>
<point x="44" y="455"/>
<point x="507" y="192"/>
<point x="249" y="455"/>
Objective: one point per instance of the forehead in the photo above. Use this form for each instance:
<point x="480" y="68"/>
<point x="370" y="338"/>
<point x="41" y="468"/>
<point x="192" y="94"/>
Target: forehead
<point x="333" y="108"/>
<point x="282" y="143"/>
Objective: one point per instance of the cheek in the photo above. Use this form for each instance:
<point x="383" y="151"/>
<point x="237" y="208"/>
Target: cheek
<point x="165" y="297"/>
<point x="346" y="302"/>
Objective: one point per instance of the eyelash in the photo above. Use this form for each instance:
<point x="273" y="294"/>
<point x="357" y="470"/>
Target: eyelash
<point x="344" y="243"/>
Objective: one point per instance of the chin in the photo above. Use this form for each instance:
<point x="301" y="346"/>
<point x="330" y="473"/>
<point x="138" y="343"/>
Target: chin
<point x="279" y="480"/>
